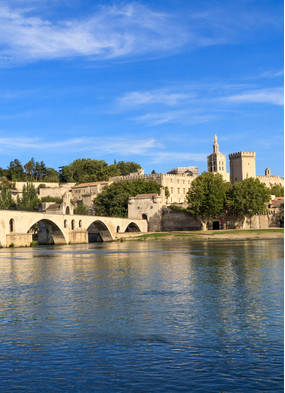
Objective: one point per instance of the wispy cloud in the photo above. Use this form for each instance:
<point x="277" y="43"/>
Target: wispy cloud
<point x="30" y="31"/>
<point x="138" y="98"/>
<point x="195" y="103"/>
<point x="91" y="145"/>
<point x="182" y="116"/>
<point x="110" y="32"/>
<point x="273" y="96"/>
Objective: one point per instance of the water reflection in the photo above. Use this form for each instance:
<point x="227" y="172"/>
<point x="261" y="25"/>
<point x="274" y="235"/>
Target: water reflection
<point x="143" y="316"/>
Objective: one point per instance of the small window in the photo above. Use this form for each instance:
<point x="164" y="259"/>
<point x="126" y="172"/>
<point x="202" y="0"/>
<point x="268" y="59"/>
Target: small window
<point x="72" y="225"/>
<point x="12" y="225"/>
<point x="65" y="223"/>
<point x="80" y="224"/>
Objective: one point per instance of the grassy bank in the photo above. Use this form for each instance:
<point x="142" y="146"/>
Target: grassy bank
<point x="273" y="233"/>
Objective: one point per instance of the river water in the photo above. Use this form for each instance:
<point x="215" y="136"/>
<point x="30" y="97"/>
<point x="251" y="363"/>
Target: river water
<point x="151" y="316"/>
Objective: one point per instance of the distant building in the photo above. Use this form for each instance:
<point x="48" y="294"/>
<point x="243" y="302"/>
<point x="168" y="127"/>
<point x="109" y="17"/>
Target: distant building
<point x="188" y="171"/>
<point x="270" y="180"/>
<point x="242" y="165"/>
<point x="217" y="162"/>
<point x="86" y="192"/>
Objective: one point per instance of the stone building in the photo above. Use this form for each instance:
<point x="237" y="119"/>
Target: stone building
<point x="242" y="166"/>
<point x="217" y="162"/>
<point x="270" y="180"/>
<point x="188" y="170"/>
<point x="160" y="217"/>
<point x="178" y="185"/>
<point x="86" y="192"/>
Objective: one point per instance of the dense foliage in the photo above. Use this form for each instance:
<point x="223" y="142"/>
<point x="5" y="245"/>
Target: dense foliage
<point x="81" y="209"/>
<point x="210" y="197"/>
<point x="207" y="197"/>
<point x="248" y="197"/>
<point x="79" y="171"/>
<point x="277" y="190"/>
<point x="113" y="201"/>
<point x="52" y="199"/>
<point x="31" y="171"/>
<point x="29" y="200"/>
<point x="6" y="201"/>
<point x="86" y="170"/>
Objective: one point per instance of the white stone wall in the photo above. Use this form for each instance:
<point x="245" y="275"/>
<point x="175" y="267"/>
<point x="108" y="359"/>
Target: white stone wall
<point x="271" y="180"/>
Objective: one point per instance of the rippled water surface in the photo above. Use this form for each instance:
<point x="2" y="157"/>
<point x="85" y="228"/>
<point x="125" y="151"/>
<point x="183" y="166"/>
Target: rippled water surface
<point x="157" y="316"/>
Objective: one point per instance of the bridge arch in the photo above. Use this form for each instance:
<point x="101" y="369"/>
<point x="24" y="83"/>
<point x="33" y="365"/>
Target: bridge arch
<point x="98" y="231"/>
<point x="132" y="227"/>
<point x="49" y="232"/>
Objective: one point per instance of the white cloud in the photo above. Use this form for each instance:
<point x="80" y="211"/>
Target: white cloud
<point x="152" y="97"/>
<point x="90" y="145"/>
<point x="273" y="96"/>
<point x="111" y="32"/>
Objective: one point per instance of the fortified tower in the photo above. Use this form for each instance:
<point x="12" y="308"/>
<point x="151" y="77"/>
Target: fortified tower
<point x="217" y="161"/>
<point x="242" y="165"/>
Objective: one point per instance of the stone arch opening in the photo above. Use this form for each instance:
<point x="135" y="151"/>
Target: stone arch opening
<point x="132" y="227"/>
<point x="80" y="224"/>
<point x="67" y="211"/>
<point x="65" y="223"/>
<point x="118" y="229"/>
<point x="99" y="232"/>
<point x="72" y="225"/>
<point x="48" y="232"/>
<point x="12" y="225"/>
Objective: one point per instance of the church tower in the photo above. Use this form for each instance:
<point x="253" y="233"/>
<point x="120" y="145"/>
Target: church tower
<point x="217" y="161"/>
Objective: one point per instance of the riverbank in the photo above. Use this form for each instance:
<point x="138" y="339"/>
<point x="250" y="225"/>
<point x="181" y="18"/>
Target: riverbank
<point x="274" y="233"/>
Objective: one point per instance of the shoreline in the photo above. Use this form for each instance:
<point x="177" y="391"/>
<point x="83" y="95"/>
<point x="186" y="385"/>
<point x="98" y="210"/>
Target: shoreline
<point x="231" y="234"/>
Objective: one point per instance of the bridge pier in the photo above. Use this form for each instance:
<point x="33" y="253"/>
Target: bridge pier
<point x="78" y="236"/>
<point x="19" y="239"/>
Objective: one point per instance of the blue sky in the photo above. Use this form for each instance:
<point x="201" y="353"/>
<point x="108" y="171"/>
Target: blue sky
<point x="144" y="81"/>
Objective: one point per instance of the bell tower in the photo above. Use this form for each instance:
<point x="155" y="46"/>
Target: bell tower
<point x="217" y="161"/>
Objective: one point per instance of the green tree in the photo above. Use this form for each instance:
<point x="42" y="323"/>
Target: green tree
<point x="29" y="168"/>
<point x="248" y="198"/>
<point x="113" y="201"/>
<point x="206" y="197"/>
<point x="15" y="171"/>
<point x="29" y="200"/>
<point x="277" y="190"/>
<point x="51" y="176"/>
<point x="125" y="168"/>
<point x="81" y="209"/>
<point x="6" y="200"/>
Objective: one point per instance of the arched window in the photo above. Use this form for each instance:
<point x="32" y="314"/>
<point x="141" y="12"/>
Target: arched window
<point x="118" y="229"/>
<point x="80" y="224"/>
<point x="67" y="211"/>
<point x="72" y="225"/>
<point x="65" y="224"/>
<point x="12" y="225"/>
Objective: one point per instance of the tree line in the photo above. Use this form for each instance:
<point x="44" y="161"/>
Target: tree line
<point x="82" y="170"/>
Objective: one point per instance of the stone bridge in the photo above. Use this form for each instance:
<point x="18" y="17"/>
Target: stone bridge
<point x="19" y="228"/>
